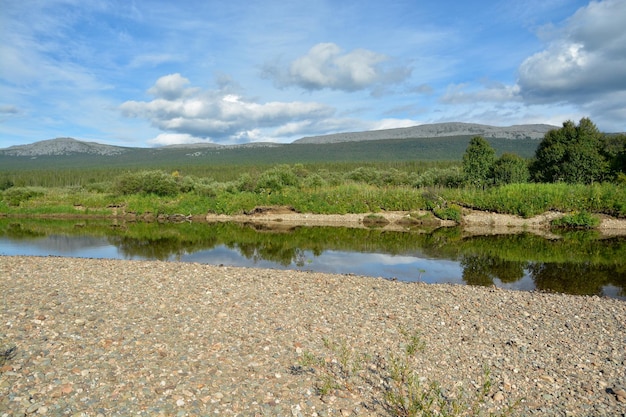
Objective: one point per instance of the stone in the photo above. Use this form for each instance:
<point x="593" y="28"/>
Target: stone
<point x="498" y="396"/>
<point x="547" y="378"/>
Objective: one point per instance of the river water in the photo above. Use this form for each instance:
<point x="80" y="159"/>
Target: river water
<point x="574" y="263"/>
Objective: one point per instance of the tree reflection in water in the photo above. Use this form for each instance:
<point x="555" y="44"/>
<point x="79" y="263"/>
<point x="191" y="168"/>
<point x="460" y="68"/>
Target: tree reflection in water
<point x="575" y="263"/>
<point x="483" y="269"/>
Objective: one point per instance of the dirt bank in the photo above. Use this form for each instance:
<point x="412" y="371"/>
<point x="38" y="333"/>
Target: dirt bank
<point x="474" y="222"/>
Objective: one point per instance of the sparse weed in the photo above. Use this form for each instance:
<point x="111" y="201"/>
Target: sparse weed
<point x="7" y="353"/>
<point x="394" y="383"/>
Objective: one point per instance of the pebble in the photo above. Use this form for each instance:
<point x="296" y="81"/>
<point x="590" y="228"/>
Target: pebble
<point x="108" y="337"/>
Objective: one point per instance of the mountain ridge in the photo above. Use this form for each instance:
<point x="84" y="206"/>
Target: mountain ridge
<point x="64" y="146"/>
<point x="71" y="146"/>
<point x="435" y="130"/>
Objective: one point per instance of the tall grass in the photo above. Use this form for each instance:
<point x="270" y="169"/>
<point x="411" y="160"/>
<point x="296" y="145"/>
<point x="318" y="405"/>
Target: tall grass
<point x="309" y="189"/>
<point x="531" y="199"/>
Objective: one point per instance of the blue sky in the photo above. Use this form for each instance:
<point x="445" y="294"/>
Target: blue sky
<point x="152" y="73"/>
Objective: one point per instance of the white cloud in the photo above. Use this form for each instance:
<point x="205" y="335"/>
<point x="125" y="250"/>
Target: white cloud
<point x="327" y="66"/>
<point x="170" y="87"/>
<point x="392" y="124"/>
<point x="585" y="58"/>
<point x="165" y="139"/>
<point x="579" y="73"/>
<point x="218" y="114"/>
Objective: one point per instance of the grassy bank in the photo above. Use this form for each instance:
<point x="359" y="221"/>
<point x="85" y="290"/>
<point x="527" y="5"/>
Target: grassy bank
<point x="311" y="189"/>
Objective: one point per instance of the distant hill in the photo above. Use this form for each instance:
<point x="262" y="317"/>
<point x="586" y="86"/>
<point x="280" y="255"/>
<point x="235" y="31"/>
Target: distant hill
<point x="438" y="130"/>
<point x="63" y="146"/>
<point x="436" y="142"/>
<point x="71" y="146"/>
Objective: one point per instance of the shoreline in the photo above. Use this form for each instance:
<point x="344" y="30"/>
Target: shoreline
<point x="474" y="222"/>
<point x="116" y="337"/>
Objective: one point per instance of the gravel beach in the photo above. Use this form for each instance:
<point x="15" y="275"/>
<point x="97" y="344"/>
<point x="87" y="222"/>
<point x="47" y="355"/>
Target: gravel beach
<point x="120" y="338"/>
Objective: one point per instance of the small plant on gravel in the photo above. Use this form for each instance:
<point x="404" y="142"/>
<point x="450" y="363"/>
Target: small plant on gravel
<point x="394" y="383"/>
<point x="7" y="353"/>
<point x="375" y="220"/>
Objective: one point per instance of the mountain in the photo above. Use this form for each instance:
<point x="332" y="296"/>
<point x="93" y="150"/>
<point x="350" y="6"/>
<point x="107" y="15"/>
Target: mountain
<point x="423" y="136"/>
<point x="63" y="146"/>
<point x="437" y="130"/>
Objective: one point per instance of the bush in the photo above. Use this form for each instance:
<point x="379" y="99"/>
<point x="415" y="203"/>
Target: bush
<point x="579" y="220"/>
<point x="276" y="179"/>
<point x="246" y="183"/>
<point x="147" y="182"/>
<point x="452" y="212"/>
<point x="5" y="183"/>
<point x="510" y="169"/>
<point x="16" y="195"/>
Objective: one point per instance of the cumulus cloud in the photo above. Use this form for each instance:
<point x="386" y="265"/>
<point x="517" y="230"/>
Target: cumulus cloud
<point x="326" y="65"/>
<point x="170" y="87"/>
<point x="218" y="115"/>
<point x="583" y="59"/>
<point x="581" y="70"/>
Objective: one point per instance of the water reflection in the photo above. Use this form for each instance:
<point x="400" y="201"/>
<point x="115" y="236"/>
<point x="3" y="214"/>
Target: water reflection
<point x="576" y="263"/>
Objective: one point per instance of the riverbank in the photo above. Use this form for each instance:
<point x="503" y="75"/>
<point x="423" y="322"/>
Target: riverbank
<point x="106" y="337"/>
<point x="473" y="221"/>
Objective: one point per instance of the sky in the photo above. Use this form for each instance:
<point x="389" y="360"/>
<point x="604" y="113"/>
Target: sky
<point x="155" y="72"/>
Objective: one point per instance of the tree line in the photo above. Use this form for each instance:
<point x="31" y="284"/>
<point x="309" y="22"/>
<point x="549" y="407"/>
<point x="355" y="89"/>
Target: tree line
<point x="575" y="154"/>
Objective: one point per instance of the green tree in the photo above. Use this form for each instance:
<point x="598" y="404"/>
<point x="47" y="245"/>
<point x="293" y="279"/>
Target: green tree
<point x="571" y="154"/>
<point x="510" y="169"/>
<point x="478" y="161"/>
<point x="614" y="150"/>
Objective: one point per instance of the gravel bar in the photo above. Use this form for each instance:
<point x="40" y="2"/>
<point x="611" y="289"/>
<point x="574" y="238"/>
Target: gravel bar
<point x="119" y="338"/>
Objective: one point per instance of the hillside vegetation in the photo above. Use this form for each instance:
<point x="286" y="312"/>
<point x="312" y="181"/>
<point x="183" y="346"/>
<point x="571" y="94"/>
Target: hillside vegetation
<point x="576" y="169"/>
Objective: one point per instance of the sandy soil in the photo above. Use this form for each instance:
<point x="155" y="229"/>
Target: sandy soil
<point x="474" y="222"/>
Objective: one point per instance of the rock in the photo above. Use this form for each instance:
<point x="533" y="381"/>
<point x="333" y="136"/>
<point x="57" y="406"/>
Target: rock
<point x="547" y="378"/>
<point x="498" y="396"/>
<point x="33" y="408"/>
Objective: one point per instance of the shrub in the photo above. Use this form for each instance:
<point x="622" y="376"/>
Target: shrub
<point x="276" y="179"/>
<point x="451" y="212"/>
<point x="367" y="175"/>
<point x="510" y="169"/>
<point x="147" y="182"/>
<point x="314" y="181"/>
<point x="375" y="220"/>
<point x="16" y="195"/>
<point x="5" y="183"/>
<point x="579" y="220"/>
